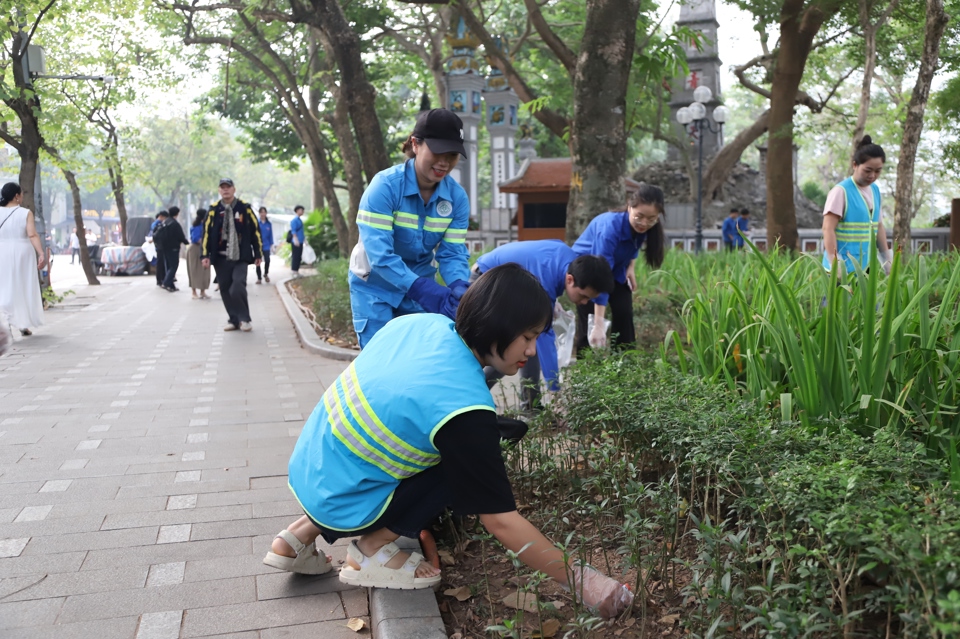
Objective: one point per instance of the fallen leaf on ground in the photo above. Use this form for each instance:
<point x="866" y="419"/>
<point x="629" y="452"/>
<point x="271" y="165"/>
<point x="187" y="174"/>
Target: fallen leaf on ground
<point x="356" y="624"/>
<point x="462" y="593"/>
<point x="557" y="605"/>
<point x="669" y="619"/>
<point x="521" y="580"/>
<point x="520" y="601"/>
<point x="629" y="622"/>
<point x="549" y="629"/>
<point x="446" y="559"/>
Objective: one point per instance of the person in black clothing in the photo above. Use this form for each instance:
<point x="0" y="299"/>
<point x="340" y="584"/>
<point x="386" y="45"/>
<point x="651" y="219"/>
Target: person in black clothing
<point x="171" y="238"/>
<point x="160" y="269"/>
<point x="231" y="243"/>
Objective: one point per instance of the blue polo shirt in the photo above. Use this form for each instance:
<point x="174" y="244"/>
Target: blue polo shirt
<point x="403" y="236"/>
<point x="548" y="261"/>
<point x="729" y="231"/>
<point x="296" y="227"/>
<point x="610" y="236"/>
<point x="266" y="234"/>
<point x="744" y="225"/>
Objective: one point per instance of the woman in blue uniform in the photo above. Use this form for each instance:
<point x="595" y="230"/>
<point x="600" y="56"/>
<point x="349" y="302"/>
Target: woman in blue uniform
<point x="410" y="215"/>
<point x="852" y="212"/>
<point x="618" y="237"/>
<point x="379" y="459"/>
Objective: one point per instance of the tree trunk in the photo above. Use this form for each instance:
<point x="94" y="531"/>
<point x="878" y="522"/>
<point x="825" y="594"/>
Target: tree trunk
<point x="798" y="27"/>
<point x="870" y="53"/>
<point x="316" y="92"/>
<point x="352" y="166"/>
<point x="598" y="133"/>
<point x="359" y="94"/>
<point x="81" y="233"/>
<point x="723" y="162"/>
<point x="903" y="212"/>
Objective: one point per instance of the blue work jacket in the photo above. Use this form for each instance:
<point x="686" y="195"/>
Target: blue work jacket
<point x="402" y="236"/>
<point x="296" y="226"/>
<point x="548" y="261"/>
<point x="729" y="231"/>
<point x="610" y="236"/>
<point x="266" y="235"/>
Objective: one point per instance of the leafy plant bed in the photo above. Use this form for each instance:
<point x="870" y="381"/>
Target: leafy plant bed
<point x="728" y="521"/>
<point x="325" y="300"/>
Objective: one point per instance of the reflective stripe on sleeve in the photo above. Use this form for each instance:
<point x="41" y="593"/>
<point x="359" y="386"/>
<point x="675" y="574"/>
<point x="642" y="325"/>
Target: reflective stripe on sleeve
<point x="375" y="220"/>
<point x="436" y="224"/>
<point x="455" y="236"/>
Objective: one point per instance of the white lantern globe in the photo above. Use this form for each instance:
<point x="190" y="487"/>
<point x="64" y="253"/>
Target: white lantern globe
<point x="683" y="115"/>
<point x="697" y="111"/>
<point x="720" y="114"/>
<point x="702" y="94"/>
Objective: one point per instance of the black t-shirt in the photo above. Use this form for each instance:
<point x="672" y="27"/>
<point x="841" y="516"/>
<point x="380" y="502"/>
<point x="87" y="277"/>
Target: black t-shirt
<point x="469" y="446"/>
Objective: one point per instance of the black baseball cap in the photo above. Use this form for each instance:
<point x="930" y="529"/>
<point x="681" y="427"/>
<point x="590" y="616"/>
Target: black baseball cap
<point x="226" y="181"/>
<point x="442" y="130"/>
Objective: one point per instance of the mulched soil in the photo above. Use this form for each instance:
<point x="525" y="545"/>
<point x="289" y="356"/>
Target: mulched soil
<point x="484" y="577"/>
<point x="329" y="336"/>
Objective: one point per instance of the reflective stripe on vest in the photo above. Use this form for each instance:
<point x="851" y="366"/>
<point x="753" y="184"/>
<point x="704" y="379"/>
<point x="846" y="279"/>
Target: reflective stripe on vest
<point x="436" y="224"/>
<point x="355" y="424"/>
<point x="406" y="220"/>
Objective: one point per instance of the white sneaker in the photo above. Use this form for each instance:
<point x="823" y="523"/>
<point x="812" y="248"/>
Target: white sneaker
<point x="230" y="327"/>
<point x="245" y="327"/>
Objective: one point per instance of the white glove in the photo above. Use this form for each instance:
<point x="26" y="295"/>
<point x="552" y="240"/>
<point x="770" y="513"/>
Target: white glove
<point x="600" y="593"/>
<point x="598" y="336"/>
<point x="886" y="262"/>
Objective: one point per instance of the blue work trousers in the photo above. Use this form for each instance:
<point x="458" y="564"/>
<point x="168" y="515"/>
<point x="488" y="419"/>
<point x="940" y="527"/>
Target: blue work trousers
<point x="370" y="313"/>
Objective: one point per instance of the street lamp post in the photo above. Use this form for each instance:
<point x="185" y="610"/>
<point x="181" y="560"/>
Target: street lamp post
<point x="694" y="120"/>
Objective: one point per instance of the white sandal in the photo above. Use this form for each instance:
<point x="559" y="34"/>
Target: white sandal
<point x="374" y="573"/>
<point x="307" y="562"/>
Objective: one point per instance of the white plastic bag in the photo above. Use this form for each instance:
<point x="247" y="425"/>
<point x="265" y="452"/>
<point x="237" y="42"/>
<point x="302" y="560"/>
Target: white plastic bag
<point x="359" y="262"/>
<point x="591" y="322"/>
<point x="565" y="326"/>
<point x="309" y="255"/>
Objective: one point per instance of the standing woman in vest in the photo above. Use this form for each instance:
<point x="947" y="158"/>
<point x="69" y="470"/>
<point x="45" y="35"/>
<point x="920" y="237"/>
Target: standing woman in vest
<point x="410" y="215"/>
<point x="380" y="459"/>
<point x="852" y="211"/>
<point x="617" y="237"/>
<point x="21" y="258"/>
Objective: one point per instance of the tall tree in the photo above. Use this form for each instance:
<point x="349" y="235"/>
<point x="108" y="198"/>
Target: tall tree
<point x="934" y="26"/>
<point x="872" y="16"/>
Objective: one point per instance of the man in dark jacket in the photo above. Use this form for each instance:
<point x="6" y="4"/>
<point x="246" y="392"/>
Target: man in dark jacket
<point x="160" y="268"/>
<point x="232" y="242"/>
<point x="171" y="237"/>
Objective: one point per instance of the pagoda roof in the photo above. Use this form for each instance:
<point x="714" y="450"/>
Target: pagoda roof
<point x="546" y="175"/>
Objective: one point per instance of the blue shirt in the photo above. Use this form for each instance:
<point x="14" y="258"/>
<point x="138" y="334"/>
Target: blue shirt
<point x="744" y="225"/>
<point x="610" y="236"/>
<point x="196" y="233"/>
<point x="296" y="225"/>
<point x="402" y="236"/>
<point x="266" y="234"/>
<point x="729" y="231"/>
<point x="548" y="261"/>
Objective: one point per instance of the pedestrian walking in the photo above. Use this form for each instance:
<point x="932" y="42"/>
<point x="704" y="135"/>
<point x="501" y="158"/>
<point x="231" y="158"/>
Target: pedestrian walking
<point x="729" y="230"/>
<point x="411" y="216"/>
<point x="378" y="459"/>
<point x="172" y="238"/>
<point x="559" y="270"/>
<point x="231" y="242"/>
<point x="198" y="277"/>
<point x="618" y="237"/>
<point x="21" y="258"/>
<point x="160" y="270"/>
<point x="74" y="245"/>
<point x="266" y="235"/>
<point x="852" y="213"/>
<point x="297" y="238"/>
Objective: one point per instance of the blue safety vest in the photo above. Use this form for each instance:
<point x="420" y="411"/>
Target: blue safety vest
<point x="375" y="425"/>
<point x="856" y="226"/>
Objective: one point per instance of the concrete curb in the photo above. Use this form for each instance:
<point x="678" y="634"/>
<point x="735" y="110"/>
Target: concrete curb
<point x="306" y="334"/>
<point x="405" y="614"/>
<point x="394" y="614"/>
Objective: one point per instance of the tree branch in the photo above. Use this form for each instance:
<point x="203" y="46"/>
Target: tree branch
<point x="564" y="54"/>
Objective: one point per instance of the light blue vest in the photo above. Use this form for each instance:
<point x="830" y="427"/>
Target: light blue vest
<point x="375" y="425"/>
<point x="853" y="231"/>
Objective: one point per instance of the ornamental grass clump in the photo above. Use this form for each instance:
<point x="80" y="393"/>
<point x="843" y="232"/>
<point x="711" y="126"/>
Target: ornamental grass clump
<point x="876" y="350"/>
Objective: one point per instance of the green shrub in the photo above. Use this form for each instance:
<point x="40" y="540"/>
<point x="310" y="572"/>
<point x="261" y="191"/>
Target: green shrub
<point x="328" y="294"/>
<point x="763" y="527"/>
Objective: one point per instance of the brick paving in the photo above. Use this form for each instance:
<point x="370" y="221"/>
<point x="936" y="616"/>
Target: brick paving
<point x="143" y="456"/>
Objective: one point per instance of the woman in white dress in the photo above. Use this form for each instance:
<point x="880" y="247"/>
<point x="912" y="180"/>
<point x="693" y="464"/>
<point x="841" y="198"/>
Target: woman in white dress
<point x="20" y="300"/>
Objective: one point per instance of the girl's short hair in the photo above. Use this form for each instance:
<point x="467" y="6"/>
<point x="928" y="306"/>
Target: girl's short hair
<point x="506" y="302"/>
<point x="867" y="150"/>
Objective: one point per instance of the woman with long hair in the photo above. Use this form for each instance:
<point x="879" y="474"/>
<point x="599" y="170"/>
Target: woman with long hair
<point x="21" y="258"/>
<point x="618" y="236"/>
<point x="198" y="276"/>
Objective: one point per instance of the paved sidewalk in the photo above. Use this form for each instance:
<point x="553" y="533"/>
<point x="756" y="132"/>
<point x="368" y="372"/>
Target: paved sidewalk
<point x="143" y="456"/>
